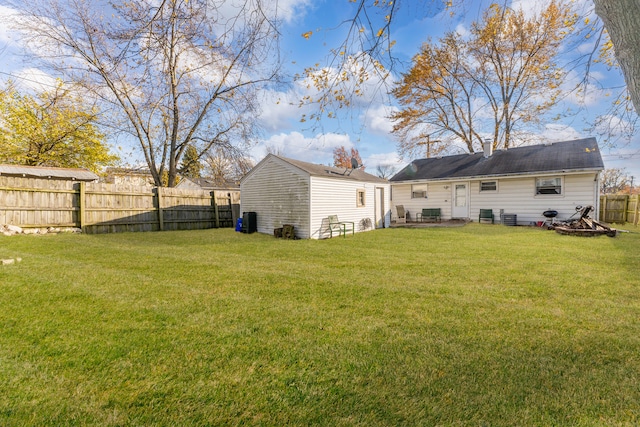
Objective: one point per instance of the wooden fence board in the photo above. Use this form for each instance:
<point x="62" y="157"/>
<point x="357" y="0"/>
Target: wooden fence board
<point x="620" y="208"/>
<point x="107" y="208"/>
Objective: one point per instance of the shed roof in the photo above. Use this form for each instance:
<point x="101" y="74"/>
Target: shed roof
<point x="566" y="156"/>
<point x="332" y="171"/>
<point x="48" y="173"/>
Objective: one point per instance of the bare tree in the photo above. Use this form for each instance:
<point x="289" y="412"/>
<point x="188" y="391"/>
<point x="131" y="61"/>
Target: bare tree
<point x="226" y="164"/>
<point x="175" y="73"/>
<point x="385" y="171"/>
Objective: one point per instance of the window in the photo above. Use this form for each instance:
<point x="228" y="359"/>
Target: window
<point x="488" y="185"/>
<point x="549" y="185"/>
<point x="360" y="198"/>
<point x="419" y="191"/>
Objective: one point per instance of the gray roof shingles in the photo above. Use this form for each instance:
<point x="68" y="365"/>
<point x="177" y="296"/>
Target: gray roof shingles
<point x="334" y="172"/>
<point x="578" y="155"/>
<point x="48" y="173"/>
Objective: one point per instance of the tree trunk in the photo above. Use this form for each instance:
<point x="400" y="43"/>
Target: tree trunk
<point x="621" y="19"/>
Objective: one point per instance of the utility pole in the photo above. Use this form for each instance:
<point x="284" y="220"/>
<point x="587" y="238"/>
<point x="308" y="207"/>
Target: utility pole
<point x="428" y="143"/>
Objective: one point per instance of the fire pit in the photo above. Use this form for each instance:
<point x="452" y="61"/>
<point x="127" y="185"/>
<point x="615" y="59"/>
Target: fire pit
<point x="583" y="226"/>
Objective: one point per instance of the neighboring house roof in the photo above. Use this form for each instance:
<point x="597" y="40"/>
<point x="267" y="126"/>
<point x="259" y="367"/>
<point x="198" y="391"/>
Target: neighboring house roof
<point x="48" y="173"/>
<point x="208" y="184"/>
<point x="327" y="171"/>
<point x="567" y="156"/>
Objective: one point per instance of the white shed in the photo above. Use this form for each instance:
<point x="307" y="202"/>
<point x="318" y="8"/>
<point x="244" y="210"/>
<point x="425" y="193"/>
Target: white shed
<point x="285" y="191"/>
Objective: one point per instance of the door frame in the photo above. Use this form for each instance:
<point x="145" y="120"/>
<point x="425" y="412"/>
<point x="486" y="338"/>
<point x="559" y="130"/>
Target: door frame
<point x="459" y="211"/>
<point x="379" y="208"/>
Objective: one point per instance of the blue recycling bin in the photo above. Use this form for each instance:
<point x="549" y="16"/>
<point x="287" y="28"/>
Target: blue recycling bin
<point x="239" y="225"/>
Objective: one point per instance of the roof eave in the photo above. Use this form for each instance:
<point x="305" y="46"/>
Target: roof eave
<point x="506" y="175"/>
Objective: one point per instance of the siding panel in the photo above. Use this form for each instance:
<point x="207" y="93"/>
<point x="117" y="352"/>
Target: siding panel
<point x="280" y="195"/>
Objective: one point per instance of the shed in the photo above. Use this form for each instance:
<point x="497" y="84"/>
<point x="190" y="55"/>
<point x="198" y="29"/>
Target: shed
<point x="41" y="172"/>
<point x="286" y="191"/>
<point x="521" y="182"/>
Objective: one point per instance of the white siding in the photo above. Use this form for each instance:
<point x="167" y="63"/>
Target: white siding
<point x="279" y="194"/>
<point x="331" y="196"/>
<point x="438" y="196"/>
<point x="514" y="196"/>
<point x="517" y="196"/>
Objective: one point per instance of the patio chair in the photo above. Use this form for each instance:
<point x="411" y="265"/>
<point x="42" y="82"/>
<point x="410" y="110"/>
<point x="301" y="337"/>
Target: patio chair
<point x="402" y="214"/>
<point x="486" y="215"/>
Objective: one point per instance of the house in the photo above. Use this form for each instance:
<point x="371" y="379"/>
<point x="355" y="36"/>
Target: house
<point x="523" y="181"/>
<point x="129" y="176"/>
<point x="48" y="173"/>
<point x="227" y="194"/>
<point x="285" y="191"/>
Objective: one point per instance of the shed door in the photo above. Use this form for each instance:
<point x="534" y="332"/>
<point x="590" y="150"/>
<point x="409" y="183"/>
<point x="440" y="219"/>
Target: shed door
<point x="460" y="208"/>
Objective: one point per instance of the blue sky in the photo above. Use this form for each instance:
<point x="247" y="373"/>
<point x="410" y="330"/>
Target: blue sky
<point x="365" y="126"/>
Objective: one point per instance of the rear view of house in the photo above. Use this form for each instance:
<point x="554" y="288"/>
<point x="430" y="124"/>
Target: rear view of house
<point x="284" y="191"/>
<point x="522" y="182"/>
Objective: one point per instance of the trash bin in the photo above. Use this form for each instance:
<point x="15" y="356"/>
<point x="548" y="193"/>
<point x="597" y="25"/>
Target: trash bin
<point x="249" y="222"/>
<point x="239" y="225"/>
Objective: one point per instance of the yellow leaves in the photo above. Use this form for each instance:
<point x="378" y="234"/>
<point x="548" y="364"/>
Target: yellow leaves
<point x="380" y="32"/>
<point x="307" y="35"/>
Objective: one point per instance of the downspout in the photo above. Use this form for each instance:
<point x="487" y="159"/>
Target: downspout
<point x="597" y="193"/>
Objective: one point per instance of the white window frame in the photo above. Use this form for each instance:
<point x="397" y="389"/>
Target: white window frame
<point x="361" y="197"/>
<point x="419" y="191"/>
<point x="495" y="182"/>
<point x="540" y="185"/>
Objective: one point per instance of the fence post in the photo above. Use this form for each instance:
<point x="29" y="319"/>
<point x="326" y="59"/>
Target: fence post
<point x="81" y="206"/>
<point x="216" y="214"/>
<point x="160" y="211"/>
<point x="637" y="210"/>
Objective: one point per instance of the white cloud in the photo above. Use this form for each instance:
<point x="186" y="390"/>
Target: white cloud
<point x="34" y="79"/>
<point x="7" y="35"/>
<point x="559" y="132"/>
<point x="279" y="110"/>
<point x="317" y="149"/>
<point x="530" y="8"/>
<point x="391" y="160"/>
<point x="462" y="30"/>
<point x="376" y="119"/>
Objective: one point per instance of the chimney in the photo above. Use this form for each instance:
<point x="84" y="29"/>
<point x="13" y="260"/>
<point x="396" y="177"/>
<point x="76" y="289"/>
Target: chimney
<point x="488" y="148"/>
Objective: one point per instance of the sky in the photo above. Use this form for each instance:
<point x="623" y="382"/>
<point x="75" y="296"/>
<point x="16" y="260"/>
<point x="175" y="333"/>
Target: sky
<point x="365" y="126"/>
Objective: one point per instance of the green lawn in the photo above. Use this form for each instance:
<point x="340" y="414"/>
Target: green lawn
<point x="480" y="325"/>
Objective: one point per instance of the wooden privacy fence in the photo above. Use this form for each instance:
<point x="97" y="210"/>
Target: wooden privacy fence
<point x="109" y="208"/>
<point x="620" y="208"/>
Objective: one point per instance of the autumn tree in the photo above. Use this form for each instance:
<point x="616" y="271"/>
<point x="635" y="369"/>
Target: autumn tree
<point x="499" y="81"/>
<point x="342" y="157"/>
<point x="172" y="73"/>
<point x="368" y="42"/>
<point x="52" y="128"/>
<point x="614" y="180"/>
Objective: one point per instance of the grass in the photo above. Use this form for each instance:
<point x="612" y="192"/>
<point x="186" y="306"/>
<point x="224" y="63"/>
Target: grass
<point x="480" y="325"/>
